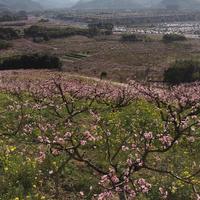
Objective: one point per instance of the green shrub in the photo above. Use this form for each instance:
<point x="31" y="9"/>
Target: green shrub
<point x="100" y="28"/>
<point x="173" y="37"/>
<point x="48" y="33"/>
<point x="36" y="61"/>
<point x="101" y="25"/>
<point x="103" y="75"/>
<point x="39" y="39"/>
<point x="8" y="34"/>
<point x="131" y="38"/>
<point x="43" y="20"/>
<point x="4" y="44"/>
<point x="183" y="71"/>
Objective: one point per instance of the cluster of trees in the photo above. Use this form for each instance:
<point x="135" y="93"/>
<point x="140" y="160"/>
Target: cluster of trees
<point x="8" y="34"/>
<point x="183" y="71"/>
<point x="173" y="37"/>
<point x="100" y="28"/>
<point x="135" y="38"/>
<point x="32" y="61"/>
<point x="43" y="20"/>
<point x="130" y="38"/>
<point x="47" y="33"/>
<point x="4" y="44"/>
<point x="8" y="16"/>
<point x="40" y="33"/>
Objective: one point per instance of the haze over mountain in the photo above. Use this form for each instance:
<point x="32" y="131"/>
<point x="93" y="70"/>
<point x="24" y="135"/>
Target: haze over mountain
<point x="180" y="4"/>
<point x="137" y="4"/>
<point x="51" y="4"/>
<point x="108" y="4"/>
<point x="27" y="5"/>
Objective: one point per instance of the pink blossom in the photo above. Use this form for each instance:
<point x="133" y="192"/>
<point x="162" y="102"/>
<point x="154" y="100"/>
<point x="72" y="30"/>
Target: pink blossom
<point x="132" y="194"/>
<point x="55" y="152"/>
<point x="133" y="146"/>
<point x="143" y="185"/>
<point x="114" y="179"/>
<point x="148" y="136"/>
<point x="41" y="157"/>
<point x="125" y="148"/>
<point x="129" y="162"/>
<point x="118" y="189"/>
<point x="191" y="139"/>
<point x="83" y="142"/>
<point x="163" y="192"/>
<point x="104" y="179"/>
<point x="166" y="140"/>
<point x="105" y="195"/>
<point x="81" y="193"/>
<point x="67" y="135"/>
<point x="88" y="136"/>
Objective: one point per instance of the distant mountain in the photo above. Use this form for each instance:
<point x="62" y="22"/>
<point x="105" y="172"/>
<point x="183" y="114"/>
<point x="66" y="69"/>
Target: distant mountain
<point x="3" y="7"/>
<point x="108" y="4"/>
<point x="54" y="4"/>
<point x="180" y="4"/>
<point x="137" y="4"/>
<point x="27" y="5"/>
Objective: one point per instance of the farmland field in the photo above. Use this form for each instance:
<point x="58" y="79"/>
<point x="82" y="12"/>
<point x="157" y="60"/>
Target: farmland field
<point x="121" y="61"/>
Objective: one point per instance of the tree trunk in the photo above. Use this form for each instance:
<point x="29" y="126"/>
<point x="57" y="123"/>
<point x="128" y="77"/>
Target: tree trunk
<point x="57" y="192"/>
<point x="122" y="196"/>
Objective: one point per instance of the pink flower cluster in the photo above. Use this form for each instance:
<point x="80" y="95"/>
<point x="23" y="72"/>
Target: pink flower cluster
<point x="88" y="136"/>
<point x="148" y="136"/>
<point x="41" y="157"/>
<point x="110" y="178"/>
<point x="105" y="195"/>
<point x="143" y="186"/>
<point x="166" y="140"/>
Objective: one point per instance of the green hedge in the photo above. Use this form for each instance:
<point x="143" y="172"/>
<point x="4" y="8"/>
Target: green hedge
<point x="33" y="61"/>
<point x="48" y="33"/>
<point x="131" y="38"/>
<point x="183" y="71"/>
<point x="173" y="37"/>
